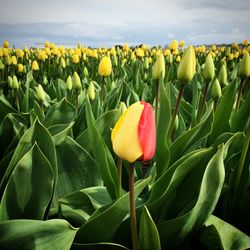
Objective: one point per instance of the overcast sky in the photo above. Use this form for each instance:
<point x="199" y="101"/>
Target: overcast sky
<point x="110" y="22"/>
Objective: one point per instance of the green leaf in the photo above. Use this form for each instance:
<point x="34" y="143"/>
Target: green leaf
<point x="223" y="112"/>
<point x="231" y="237"/>
<point x="186" y="141"/>
<point x="162" y="147"/>
<point x="174" y="231"/>
<point x="39" y="134"/>
<point x="28" y="200"/>
<point x="62" y="112"/>
<point x="97" y="246"/>
<point x="60" y="132"/>
<point x="76" y="168"/>
<point x="148" y="238"/>
<point x="104" y="161"/>
<point x="34" y="234"/>
<point x="102" y="226"/>
<point x="5" y="107"/>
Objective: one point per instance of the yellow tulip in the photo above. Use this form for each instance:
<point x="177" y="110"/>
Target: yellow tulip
<point x="40" y="94"/>
<point x="245" y="42"/>
<point x="14" y="60"/>
<point x="20" y="68"/>
<point x="6" y="44"/>
<point x="105" y="67"/>
<point x="208" y="72"/>
<point x="91" y="91"/>
<point x="35" y="66"/>
<point x="173" y="45"/>
<point x="159" y="67"/>
<point x="75" y="58"/>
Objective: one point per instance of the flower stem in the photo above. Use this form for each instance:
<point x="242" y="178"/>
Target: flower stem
<point x="17" y="102"/>
<point x="156" y="100"/>
<point x="76" y="101"/>
<point x="200" y="111"/>
<point x="177" y="106"/>
<point x="132" y="207"/>
<point x="102" y="90"/>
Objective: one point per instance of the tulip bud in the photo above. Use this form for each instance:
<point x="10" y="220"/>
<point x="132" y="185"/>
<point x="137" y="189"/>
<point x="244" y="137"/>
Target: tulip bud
<point x="208" y="72"/>
<point x="35" y="65"/>
<point x="186" y="68"/>
<point x="122" y="107"/>
<point x="69" y="83"/>
<point x="91" y="91"/>
<point x="146" y="63"/>
<point x="159" y="67"/>
<point x="216" y="89"/>
<point x="176" y="122"/>
<point x="134" y="135"/>
<point x="75" y="59"/>
<point x="173" y="45"/>
<point x="45" y="80"/>
<point x="85" y="72"/>
<point x="40" y="94"/>
<point x="245" y="66"/>
<point x="14" y="60"/>
<point x="223" y="75"/>
<point x="6" y="44"/>
<point x="15" y="83"/>
<point x="228" y="51"/>
<point x="76" y="81"/>
<point x="10" y="82"/>
<point x="8" y="60"/>
<point x="20" y="68"/>
<point x="62" y="62"/>
<point x="105" y="67"/>
<point x="115" y="62"/>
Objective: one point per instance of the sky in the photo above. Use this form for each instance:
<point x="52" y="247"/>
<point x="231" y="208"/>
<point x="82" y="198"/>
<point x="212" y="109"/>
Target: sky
<point x="98" y="23"/>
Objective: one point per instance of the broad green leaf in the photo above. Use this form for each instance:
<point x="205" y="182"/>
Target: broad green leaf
<point x="76" y="168"/>
<point x="5" y="107"/>
<point x="187" y="140"/>
<point x="174" y="231"/>
<point x="148" y="238"/>
<point x="39" y="134"/>
<point x="102" y="226"/>
<point x="223" y="112"/>
<point x="60" y="132"/>
<point x="35" y="234"/>
<point x="231" y="237"/>
<point x="60" y="113"/>
<point x="31" y="198"/>
<point x="162" y="147"/>
<point x="104" y="161"/>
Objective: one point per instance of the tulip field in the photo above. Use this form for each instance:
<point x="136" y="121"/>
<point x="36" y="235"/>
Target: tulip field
<point x="125" y="148"/>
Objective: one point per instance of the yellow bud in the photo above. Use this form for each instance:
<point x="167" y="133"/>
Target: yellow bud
<point x="85" y="72"/>
<point x="10" y="82"/>
<point x="8" y="60"/>
<point x="14" y="60"/>
<point x="181" y="43"/>
<point x="178" y="59"/>
<point x="45" y="80"/>
<point x="35" y="65"/>
<point x="40" y="94"/>
<point x="46" y="44"/>
<point x="245" y="42"/>
<point x="105" y="66"/>
<point x="20" y="53"/>
<point x="76" y="81"/>
<point x="159" y="67"/>
<point x="173" y="45"/>
<point x="1" y="65"/>
<point x="20" y="68"/>
<point x="75" y="58"/>
<point x="62" y="62"/>
<point x="146" y="63"/>
<point x="244" y="70"/>
<point x="122" y="107"/>
<point x="91" y="91"/>
<point x="216" y="90"/>
<point x="186" y="68"/>
<point x="208" y="72"/>
<point x="6" y="44"/>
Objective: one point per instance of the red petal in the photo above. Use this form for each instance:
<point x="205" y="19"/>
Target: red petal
<point x="147" y="132"/>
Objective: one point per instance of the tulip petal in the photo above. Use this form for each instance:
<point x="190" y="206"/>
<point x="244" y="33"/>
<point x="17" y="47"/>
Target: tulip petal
<point x="125" y="134"/>
<point x="147" y="132"/>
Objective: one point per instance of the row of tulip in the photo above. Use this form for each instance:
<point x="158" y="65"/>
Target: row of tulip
<point x="142" y="148"/>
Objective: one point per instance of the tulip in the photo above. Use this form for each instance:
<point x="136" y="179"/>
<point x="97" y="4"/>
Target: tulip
<point x="244" y="70"/>
<point x="14" y="60"/>
<point x="105" y="67"/>
<point x="91" y="91"/>
<point x="6" y="44"/>
<point x="15" y="83"/>
<point x="69" y="83"/>
<point x="76" y="81"/>
<point x="134" y="135"/>
<point x="85" y="72"/>
<point x="62" y="62"/>
<point x="159" y="67"/>
<point x="208" y="72"/>
<point x="35" y="66"/>
<point x="216" y="90"/>
<point x="223" y="75"/>
<point x="173" y="45"/>
<point x="186" y="68"/>
<point x="40" y="93"/>
<point x="10" y="81"/>
<point x="76" y="59"/>
<point x="20" y="68"/>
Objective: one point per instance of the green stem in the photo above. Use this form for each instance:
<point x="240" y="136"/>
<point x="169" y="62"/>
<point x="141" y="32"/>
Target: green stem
<point x="215" y="104"/>
<point x="156" y="100"/>
<point x="119" y="167"/>
<point x="239" y="94"/>
<point x="76" y="101"/>
<point x="200" y="111"/>
<point x="132" y="207"/>
<point x="17" y="102"/>
<point x="177" y="106"/>
<point x="102" y="90"/>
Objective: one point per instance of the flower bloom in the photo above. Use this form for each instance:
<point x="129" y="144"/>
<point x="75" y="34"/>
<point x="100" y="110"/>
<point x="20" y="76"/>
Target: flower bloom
<point x="105" y="67"/>
<point x="134" y="135"/>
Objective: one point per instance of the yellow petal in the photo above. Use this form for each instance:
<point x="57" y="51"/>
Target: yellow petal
<point x="125" y="134"/>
